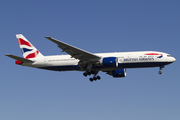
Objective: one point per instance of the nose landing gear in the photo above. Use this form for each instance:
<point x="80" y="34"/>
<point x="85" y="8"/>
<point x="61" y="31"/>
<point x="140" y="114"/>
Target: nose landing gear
<point x="160" y="72"/>
<point x="160" y="68"/>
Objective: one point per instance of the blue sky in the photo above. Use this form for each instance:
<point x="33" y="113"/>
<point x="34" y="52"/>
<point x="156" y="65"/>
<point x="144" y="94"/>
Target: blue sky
<point x="95" y="26"/>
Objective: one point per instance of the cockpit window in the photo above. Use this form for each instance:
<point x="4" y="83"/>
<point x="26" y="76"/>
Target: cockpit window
<point x="168" y="55"/>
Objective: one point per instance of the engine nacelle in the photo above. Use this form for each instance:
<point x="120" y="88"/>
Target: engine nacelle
<point x="110" y="62"/>
<point x="119" y="73"/>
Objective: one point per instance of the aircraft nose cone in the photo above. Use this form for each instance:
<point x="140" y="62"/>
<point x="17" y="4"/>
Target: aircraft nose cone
<point x="173" y="59"/>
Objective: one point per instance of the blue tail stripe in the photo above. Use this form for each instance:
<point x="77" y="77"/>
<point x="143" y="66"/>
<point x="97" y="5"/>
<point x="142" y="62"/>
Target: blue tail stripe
<point x="26" y="50"/>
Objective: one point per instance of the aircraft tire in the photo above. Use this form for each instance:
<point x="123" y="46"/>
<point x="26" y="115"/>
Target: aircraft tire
<point x="85" y="74"/>
<point x="95" y="78"/>
<point x="91" y="79"/>
<point x="89" y="73"/>
<point x="98" y="77"/>
<point x="160" y="72"/>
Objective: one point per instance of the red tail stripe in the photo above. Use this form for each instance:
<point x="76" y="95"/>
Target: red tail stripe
<point x="23" y="42"/>
<point x="32" y="55"/>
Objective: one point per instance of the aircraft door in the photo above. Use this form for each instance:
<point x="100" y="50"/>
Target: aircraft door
<point x="45" y="61"/>
<point x="120" y="59"/>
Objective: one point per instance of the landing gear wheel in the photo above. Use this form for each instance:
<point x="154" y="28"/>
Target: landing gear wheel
<point x="91" y="79"/>
<point x="88" y="73"/>
<point x="98" y="77"/>
<point x="160" y="72"/>
<point x="85" y="74"/>
<point x="95" y="78"/>
<point x="160" y="68"/>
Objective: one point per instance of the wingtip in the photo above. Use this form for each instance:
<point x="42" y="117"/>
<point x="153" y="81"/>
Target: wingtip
<point x="7" y="54"/>
<point x="48" y="37"/>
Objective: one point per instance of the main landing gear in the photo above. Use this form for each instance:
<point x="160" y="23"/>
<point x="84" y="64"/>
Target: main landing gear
<point x="160" y="68"/>
<point x="94" y="78"/>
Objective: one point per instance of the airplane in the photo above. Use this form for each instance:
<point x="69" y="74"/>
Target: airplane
<point x="114" y="64"/>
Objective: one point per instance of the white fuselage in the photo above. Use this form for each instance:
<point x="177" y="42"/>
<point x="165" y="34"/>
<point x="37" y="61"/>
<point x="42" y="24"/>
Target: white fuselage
<point x="125" y="60"/>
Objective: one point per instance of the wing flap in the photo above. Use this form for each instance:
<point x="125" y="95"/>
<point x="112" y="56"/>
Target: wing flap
<point x="74" y="51"/>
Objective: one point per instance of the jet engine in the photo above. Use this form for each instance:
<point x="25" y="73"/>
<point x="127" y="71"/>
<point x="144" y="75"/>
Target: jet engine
<point x="109" y="62"/>
<point x="118" y="73"/>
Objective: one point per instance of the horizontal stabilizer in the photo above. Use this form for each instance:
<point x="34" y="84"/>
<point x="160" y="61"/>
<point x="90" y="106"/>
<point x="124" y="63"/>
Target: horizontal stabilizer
<point x="18" y="58"/>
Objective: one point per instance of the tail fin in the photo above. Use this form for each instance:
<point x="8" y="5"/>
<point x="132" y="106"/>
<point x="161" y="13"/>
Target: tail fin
<point x="28" y="50"/>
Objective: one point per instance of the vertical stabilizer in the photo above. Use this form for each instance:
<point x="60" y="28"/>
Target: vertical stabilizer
<point x="28" y="50"/>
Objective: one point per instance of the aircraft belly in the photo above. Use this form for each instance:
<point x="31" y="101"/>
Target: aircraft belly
<point x="62" y="68"/>
<point x="69" y="67"/>
<point x="142" y="64"/>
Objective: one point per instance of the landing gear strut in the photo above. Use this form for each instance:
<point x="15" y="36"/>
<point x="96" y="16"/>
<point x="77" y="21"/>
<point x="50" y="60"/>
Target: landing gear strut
<point x="160" y="68"/>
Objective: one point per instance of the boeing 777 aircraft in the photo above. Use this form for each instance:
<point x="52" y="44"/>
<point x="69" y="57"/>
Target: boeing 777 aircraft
<point x="114" y="64"/>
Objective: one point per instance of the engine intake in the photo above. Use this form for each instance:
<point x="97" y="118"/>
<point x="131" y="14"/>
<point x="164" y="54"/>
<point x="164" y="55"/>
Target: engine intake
<point x="119" y="73"/>
<point x="110" y="62"/>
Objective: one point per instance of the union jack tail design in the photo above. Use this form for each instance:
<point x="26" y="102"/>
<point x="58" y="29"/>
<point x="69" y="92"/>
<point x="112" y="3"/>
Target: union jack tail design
<point x="28" y="50"/>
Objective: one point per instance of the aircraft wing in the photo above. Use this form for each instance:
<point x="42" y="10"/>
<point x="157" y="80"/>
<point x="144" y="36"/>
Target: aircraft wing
<point x="74" y="51"/>
<point x="18" y="58"/>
